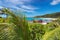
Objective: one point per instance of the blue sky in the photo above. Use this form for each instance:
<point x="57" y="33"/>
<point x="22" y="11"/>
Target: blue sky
<point x="32" y="7"/>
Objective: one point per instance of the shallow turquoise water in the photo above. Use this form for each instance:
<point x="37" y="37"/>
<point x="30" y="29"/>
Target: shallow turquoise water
<point x="30" y="18"/>
<point x="43" y="19"/>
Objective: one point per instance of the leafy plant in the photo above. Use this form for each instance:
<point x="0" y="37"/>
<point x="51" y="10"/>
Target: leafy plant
<point x="21" y="29"/>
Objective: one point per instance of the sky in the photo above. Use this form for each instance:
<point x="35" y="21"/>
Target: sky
<point x="32" y="8"/>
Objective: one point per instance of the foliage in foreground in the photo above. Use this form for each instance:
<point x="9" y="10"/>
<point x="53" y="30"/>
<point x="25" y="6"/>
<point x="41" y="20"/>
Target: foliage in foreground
<point x="19" y="29"/>
<point x="43" y="32"/>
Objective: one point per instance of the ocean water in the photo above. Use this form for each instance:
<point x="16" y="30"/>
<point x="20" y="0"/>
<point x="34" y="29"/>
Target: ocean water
<point x="31" y="19"/>
<point x="43" y="19"/>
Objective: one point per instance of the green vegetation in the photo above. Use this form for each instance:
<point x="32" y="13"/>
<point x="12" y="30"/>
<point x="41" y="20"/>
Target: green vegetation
<point x="19" y="29"/>
<point x="52" y="15"/>
<point x="42" y="32"/>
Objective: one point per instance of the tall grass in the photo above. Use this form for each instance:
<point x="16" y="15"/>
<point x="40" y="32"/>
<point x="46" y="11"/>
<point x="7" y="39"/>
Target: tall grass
<point x="43" y="32"/>
<point x="52" y="35"/>
<point x="21" y="29"/>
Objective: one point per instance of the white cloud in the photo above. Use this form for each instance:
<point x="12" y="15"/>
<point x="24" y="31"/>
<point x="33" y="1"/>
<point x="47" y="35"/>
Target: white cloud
<point x="28" y="7"/>
<point x="13" y="4"/>
<point x="54" y="2"/>
<point x="28" y="10"/>
<point x="18" y="1"/>
<point x="1" y="7"/>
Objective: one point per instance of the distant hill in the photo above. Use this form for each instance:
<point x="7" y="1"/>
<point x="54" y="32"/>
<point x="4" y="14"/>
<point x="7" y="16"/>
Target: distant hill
<point x="52" y="15"/>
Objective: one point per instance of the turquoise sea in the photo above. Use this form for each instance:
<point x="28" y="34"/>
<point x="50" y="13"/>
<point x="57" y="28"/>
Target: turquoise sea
<point x="43" y="19"/>
<point x="31" y="19"/>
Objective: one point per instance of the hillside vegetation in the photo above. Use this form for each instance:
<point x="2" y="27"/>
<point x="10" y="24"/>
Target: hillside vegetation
<point x="52" y="15"/>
